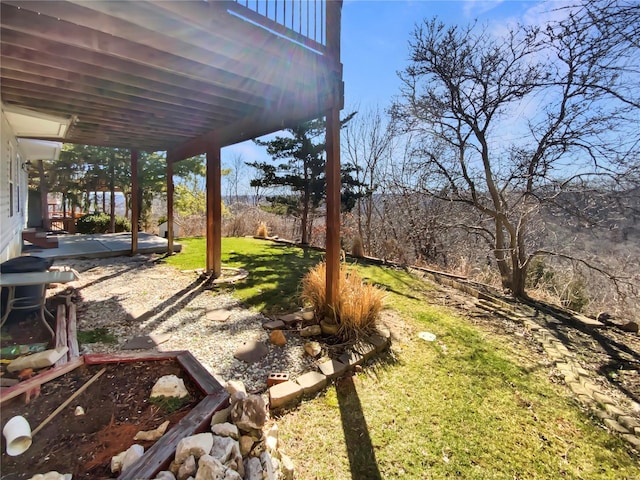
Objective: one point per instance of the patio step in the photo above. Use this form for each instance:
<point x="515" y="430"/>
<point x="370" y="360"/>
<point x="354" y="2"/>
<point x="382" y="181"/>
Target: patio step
<point x="39" y="239"/>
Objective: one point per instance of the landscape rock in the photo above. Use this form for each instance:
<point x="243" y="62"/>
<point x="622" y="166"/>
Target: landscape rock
<point x="131" y="456"/>
<point x="210" y="469"/>
<point x="174" y="467"/>
<point x="52" y="476"/>
<point x="332" y="368"/>
<point x="271" y="440"/>
<point x="257" y="449"/>
<point x="311" y="382"/>
<point x="277" y="338"/>
<point x="165" y="475"/>
<point x="311" y="331"/>
<point x="169" y="386"/>
<point x="225" y="430"/>
<point x="234" y="386"/>
<point x="268" y="471"/>
<point x="246" y="444"/>
<point x="116" y="462"/>
<point x="232" y="475"/>
<point x="253" y="469"/>
<point x="273" y="325"/>
<point x="290" y="318"/>
<point x="221" y="416"/>
<point x="188" y="468"/>
<point x="287" y="467"/>
<point x="152" y="435"/>
<point x="79" y="411"/>
<point x="313" y="349"/>
<point x="629" y="327"/>
<point x="251" y="351"/>
<point x="603" y="317"/>
<point x="196" y="445"/>
<point x="227" y="451"/>
<point x="284" y="393"/>
<point x="249" y="413"/>
<point x="235" y="398"/>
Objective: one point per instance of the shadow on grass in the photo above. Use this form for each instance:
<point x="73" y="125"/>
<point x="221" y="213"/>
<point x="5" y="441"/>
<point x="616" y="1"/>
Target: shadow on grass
<point x="362" y="457"/>
<point x="274" y="277"/>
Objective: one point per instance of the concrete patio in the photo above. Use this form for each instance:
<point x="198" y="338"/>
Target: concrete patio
<point x="100" y="245"/>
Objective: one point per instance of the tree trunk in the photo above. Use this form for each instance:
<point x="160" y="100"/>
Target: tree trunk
<point x="518" y="281"/>
<point x="305" y="217"/>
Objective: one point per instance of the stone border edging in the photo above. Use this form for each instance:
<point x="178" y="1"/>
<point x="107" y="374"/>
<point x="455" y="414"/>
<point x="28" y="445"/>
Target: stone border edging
<point x="576" y="378"/>
<point x="292" y="391"/>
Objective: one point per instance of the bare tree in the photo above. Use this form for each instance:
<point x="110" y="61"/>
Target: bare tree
<point x="237" y="170"/>
<point x="507" y="125"/>
<point x="367" y="144"/>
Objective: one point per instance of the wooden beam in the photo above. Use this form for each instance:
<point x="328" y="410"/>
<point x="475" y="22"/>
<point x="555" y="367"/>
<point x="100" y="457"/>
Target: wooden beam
<point x="39" y="379"/>
<point x="262" y="123"/>
<point x="99" y="77"/>
<point x="22" y="45"/>
<point x="62" y="24"/>
<point x="211" y="29"/>
<point x="214" y="209"/>
<point x="169" y="204"/>
<point x="43" y="86"/>
<point x="135" y="205"/>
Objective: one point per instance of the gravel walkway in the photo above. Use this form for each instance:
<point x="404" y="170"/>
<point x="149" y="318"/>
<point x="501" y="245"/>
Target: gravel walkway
<point x="133" y="296"/>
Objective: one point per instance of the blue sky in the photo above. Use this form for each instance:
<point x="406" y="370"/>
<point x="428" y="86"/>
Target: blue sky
<point x="375" y="45"/>
<point x="375" y="38"/>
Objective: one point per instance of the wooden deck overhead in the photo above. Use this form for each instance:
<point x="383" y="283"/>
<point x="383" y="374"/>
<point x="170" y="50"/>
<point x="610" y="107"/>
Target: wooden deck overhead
<point x="160" y="75"/>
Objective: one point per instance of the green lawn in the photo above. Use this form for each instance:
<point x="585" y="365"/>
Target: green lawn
<point x="468" y="406"/>
<point x="275" y="270"/>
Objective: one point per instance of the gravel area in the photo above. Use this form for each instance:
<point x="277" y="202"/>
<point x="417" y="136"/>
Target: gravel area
<point x="134" y="296"/>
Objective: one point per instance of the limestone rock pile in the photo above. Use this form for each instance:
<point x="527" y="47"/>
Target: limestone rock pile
<point x="239" y="446"/>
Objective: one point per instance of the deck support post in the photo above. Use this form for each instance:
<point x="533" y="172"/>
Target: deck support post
<point x="214" y="209"/>
<point x="135" y="199"/>
<point x="332" y="118"/>
<point x="170" y="161"/>
<point x="112" y="197"/>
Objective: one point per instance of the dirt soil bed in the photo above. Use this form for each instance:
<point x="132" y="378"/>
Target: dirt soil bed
<point x="117" y="406"/>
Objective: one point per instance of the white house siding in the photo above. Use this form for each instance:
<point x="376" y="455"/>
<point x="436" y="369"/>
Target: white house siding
<point x="13" y="193"/>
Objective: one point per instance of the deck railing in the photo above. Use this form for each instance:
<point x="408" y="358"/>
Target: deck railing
<point x="303" y="21"/>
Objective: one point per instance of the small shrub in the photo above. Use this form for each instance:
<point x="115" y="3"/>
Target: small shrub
<point x="574" y="296"/>
<point x="100" y="223"/>
<point x="357" y="248"/>
<point x="122" y="224"/>
<point x="358" y="305"/>
<point x="262" y="231"/>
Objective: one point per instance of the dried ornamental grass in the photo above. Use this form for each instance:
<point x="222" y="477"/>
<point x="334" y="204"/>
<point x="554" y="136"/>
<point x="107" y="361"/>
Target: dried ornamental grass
<point x="357" y="248"/>
<point x="359" y="303"/>
<point x="262" y="232"/>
